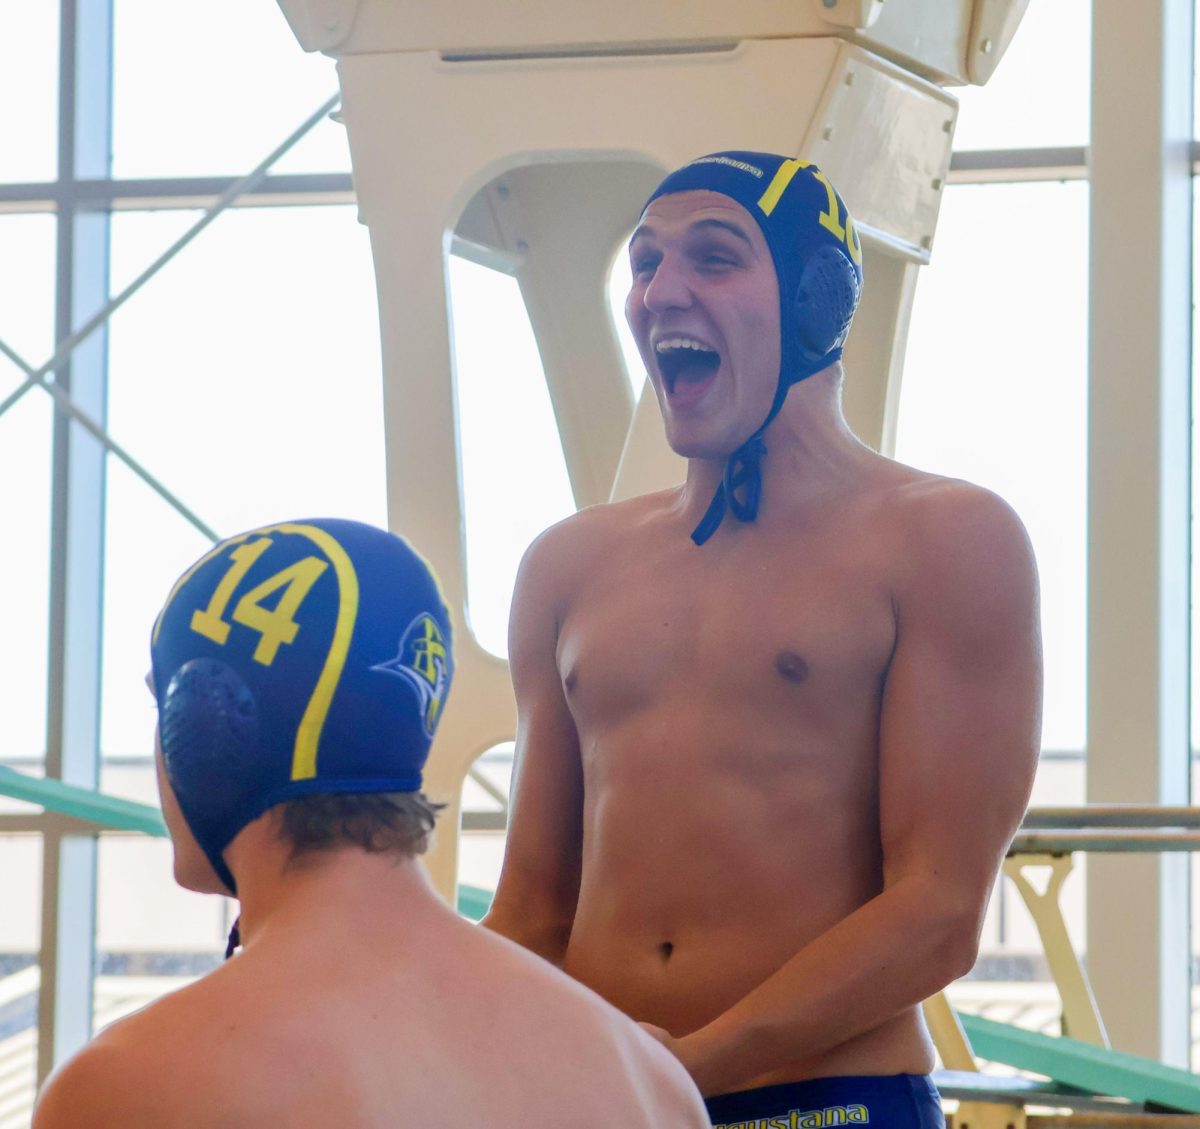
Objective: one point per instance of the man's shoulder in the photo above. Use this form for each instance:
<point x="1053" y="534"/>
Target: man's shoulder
<point x="183" y="1060"/>
<point x="612" y="519"/>
<point x="942" y="513"/>
<point x="127" y="1075"/>
<point x="956" y="537"/>
<point x="601" y="1050"/>
<point x="160" y="1065"/>
<point x="936" y="506"/>
<point x="575" y="541"/>
<point x="88" y="1089"/>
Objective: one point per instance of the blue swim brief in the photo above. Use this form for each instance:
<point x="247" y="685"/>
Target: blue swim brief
<point x="894" y="1101"/>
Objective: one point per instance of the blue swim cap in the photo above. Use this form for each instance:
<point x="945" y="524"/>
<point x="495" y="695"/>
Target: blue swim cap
<point x="300" y="658"/>
<point x="818" y="262"/>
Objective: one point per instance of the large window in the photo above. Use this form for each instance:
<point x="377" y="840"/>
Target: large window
<point x="239" y="384"/>
<point x="252" y="392"/>
<point x="1195" y="636"/>
<point x="211" y="90"/>
<point x="148" y="927"/>
<point x="20" y="895"/>
<point x="1039" y="96"/>
<point x="995" y="392"/>
<point x="26" y="327"/>
<point x="29" y="91"/>
<point x="514" y="475"/>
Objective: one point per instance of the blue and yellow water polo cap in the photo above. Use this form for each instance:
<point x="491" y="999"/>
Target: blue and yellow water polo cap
<point x="818" y="258"/>
<point x="305" y="657"/>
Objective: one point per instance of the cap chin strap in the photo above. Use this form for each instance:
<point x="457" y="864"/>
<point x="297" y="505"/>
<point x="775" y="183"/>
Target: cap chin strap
<point x="742" y="472"/>
<point x="740" y="488"/>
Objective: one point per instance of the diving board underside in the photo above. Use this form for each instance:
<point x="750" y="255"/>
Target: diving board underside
<point x="1093" y="1069"/>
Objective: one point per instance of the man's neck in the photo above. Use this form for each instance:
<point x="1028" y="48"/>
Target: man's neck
<point x="280" y="895"/>
<point x="811" y="451"/>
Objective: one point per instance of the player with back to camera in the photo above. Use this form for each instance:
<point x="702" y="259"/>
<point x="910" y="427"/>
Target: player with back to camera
<point x="776" y="726"/>
<point x="300" y="671"/>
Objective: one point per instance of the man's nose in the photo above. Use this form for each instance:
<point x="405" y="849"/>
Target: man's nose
<point x="668" y="289"/>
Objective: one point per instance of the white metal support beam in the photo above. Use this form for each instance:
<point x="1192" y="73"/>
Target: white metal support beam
<point x="1138" y="538"/>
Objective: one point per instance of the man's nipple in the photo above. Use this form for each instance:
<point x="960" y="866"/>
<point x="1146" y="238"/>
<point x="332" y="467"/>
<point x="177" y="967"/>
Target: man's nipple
<point x="792" y="666"/>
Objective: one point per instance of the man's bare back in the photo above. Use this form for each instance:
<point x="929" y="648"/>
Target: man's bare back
<point x="368" y="1004"/>
<point x="766" y="772"/>
<point x="290" y="747"/>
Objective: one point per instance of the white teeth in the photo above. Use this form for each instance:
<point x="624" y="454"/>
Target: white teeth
<point x="668" y="343"/>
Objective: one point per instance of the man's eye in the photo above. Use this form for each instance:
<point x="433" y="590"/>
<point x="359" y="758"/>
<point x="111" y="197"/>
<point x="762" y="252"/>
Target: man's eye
<point x="644" y="265"/>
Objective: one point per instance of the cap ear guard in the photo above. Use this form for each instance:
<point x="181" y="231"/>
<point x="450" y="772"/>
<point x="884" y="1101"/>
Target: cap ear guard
<point x="209" y="731"/>
<point x="826" y="298"/>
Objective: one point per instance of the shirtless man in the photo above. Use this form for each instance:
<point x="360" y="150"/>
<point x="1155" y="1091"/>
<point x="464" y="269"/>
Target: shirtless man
<point x="766" y="774"/>
<point x="300" y="671"/>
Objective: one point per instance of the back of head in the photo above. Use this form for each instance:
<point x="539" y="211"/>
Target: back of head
<point x="305" y="658"/>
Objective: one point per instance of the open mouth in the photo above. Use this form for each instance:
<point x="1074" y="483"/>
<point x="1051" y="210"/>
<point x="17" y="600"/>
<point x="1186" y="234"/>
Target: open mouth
<point x="685" y="363"/>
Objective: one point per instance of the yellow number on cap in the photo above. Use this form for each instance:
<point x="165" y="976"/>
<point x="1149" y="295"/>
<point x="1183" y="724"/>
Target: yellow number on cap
<point x="277" y="626"/>
<point x="853" y="243"/>
<point x="210" y="622"/>
<point x="830" y="219"/>
<point x="780" y="181"/>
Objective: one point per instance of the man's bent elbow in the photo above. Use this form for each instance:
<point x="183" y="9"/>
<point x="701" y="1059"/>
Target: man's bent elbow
<point x="948" y="917"/>
<point x="962" y="953"/>
<point x="958" y="944"/>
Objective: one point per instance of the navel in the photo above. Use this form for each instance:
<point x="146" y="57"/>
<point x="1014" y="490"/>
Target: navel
<point x="792" y="666"/>
<point x="666" y="949"/>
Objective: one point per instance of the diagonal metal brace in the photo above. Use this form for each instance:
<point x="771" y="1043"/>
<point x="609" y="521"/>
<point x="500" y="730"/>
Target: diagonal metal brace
<point x="38" y="377"/>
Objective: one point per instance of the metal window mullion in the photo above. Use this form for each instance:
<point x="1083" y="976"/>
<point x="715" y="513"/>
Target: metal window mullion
<point x="77" y="534"/>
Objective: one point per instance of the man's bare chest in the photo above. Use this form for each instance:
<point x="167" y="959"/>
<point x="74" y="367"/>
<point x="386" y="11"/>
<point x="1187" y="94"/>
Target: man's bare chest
<point x="786" y="635"/>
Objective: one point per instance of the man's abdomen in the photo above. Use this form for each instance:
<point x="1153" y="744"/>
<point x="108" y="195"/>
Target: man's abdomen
<point x="681" y="916"/>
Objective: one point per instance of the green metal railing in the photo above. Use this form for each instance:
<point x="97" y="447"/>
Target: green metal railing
<point x="109" y="813"/>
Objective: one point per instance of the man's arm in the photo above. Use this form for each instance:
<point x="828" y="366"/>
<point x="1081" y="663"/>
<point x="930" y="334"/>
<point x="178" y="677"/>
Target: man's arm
<point x="539" y="881"/>
<point x="959" y="735"/>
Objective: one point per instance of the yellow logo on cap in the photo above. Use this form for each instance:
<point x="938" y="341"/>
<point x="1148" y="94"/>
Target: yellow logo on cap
<point x="423" y="662"/>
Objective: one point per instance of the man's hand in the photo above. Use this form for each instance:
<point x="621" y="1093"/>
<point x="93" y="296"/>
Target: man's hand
<point x="687" y="1050"/>
<point x="662" y="1035"/>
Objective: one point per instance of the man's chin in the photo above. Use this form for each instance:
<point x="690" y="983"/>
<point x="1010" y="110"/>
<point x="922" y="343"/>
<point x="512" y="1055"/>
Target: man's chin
<point x="699" y="452"/>
<point x="700" y="447"/>
<point x="194" y="872"/>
